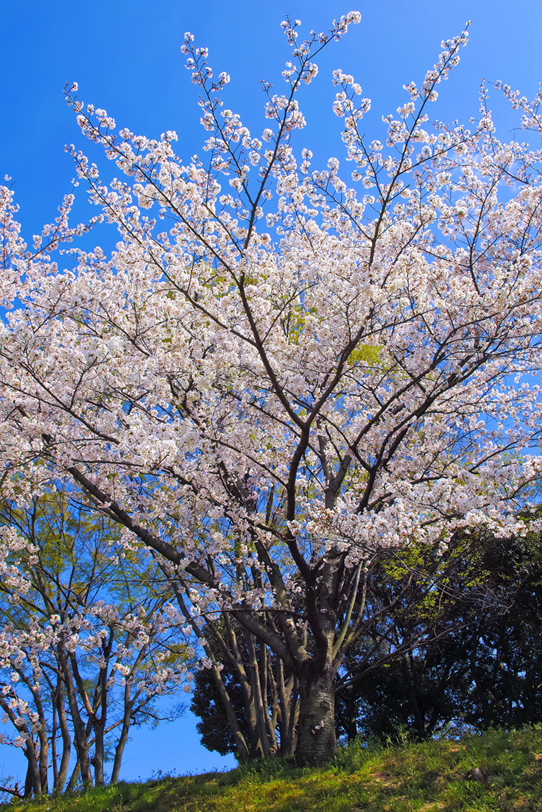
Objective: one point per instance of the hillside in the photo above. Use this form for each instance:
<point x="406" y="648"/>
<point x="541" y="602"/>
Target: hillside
<point x="497" y="771"/>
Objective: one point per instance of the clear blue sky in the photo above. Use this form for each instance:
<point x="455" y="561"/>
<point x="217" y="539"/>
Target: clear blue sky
<point x="125" y="56"/>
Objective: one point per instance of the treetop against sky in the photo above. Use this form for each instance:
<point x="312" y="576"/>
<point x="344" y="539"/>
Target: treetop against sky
<point x="127" y="60"/>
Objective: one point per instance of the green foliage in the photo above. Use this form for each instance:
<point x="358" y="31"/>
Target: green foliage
<point x="486" y="671"/>
<point x="431" y="776"/>
<point x="367" y="354"/>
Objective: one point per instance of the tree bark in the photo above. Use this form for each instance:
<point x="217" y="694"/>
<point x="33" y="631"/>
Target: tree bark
<point x="316" y="741"/>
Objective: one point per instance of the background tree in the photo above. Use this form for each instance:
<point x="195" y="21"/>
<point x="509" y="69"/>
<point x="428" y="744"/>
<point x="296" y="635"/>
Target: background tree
<point x="269" y="394"/>
<point x="485" y="672"/>
<point x="88" y="642"/>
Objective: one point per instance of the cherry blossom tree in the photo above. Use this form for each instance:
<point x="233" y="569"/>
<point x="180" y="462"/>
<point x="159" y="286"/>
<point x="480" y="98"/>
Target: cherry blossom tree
<point x="88" y="644"/>
<point x="280" y="371"/>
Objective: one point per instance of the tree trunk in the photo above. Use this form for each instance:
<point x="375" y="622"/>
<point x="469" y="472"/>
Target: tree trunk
<point x="73" y="778"/>
<point x="293" y="719"/>
<point x="80" y="734"/>
<point x="98" y="757"/>
<point x="316" y="741"/>
<point x="243" y="753"/>
<point x="62" y="773"/>
<point x="419" y="721"/>
<point x="242" y="750"/>
<point x="287" y="709"/>
<point x="260" y="727"/>
<point x="252" y="715"/>
<point x="44" y="750"/>
<point x="349" y="715"/>
<point x="121" y="743"/>
<point x="32" y="784"/>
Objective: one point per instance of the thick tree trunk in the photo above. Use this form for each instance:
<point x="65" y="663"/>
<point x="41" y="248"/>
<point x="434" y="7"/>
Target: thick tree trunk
<point x="316" y="741"/>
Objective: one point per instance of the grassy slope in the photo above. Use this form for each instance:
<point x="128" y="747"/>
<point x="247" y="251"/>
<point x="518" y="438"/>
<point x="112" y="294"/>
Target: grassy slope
<point x="431" y="776"/>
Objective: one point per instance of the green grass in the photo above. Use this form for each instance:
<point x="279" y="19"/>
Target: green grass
<point x="430" y="777"/>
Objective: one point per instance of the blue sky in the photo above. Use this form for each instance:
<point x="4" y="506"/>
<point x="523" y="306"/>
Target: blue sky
<point x="125" y="56"/>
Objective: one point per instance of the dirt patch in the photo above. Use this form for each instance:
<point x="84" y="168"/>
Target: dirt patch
<point x="385" y="778"/>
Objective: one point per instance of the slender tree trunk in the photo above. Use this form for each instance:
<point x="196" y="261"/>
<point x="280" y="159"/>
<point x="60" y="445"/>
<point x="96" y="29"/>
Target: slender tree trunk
<point x="43" y="746"/>
<point x="60" y="777"/>
<point x="123" y="738"/>
<point x="98" y="726"/>
<point x="98" y="757"/>
<point x="269" y="696"/>
<point x="241" y="745"/>
<point x="349" y="720"/>
<point x="80" y="734"/>
<point x="82" y="747"/>
<point x="73" y="777"/>
<point x="286" y="703"/>
<point x="272" y="703"/>
<point x="293" y="720"/>
<point x="264" y="745"/>
<point x="54" y="728"/>
<point x="100" y="706"/>
<point x="43" y="757"/>
<point x="419" y="721"/>
<point x="252" y="717"/>
<point x="32" y="784"/>
<point x="242" y="750"/>
<point x="316" y="735"/>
